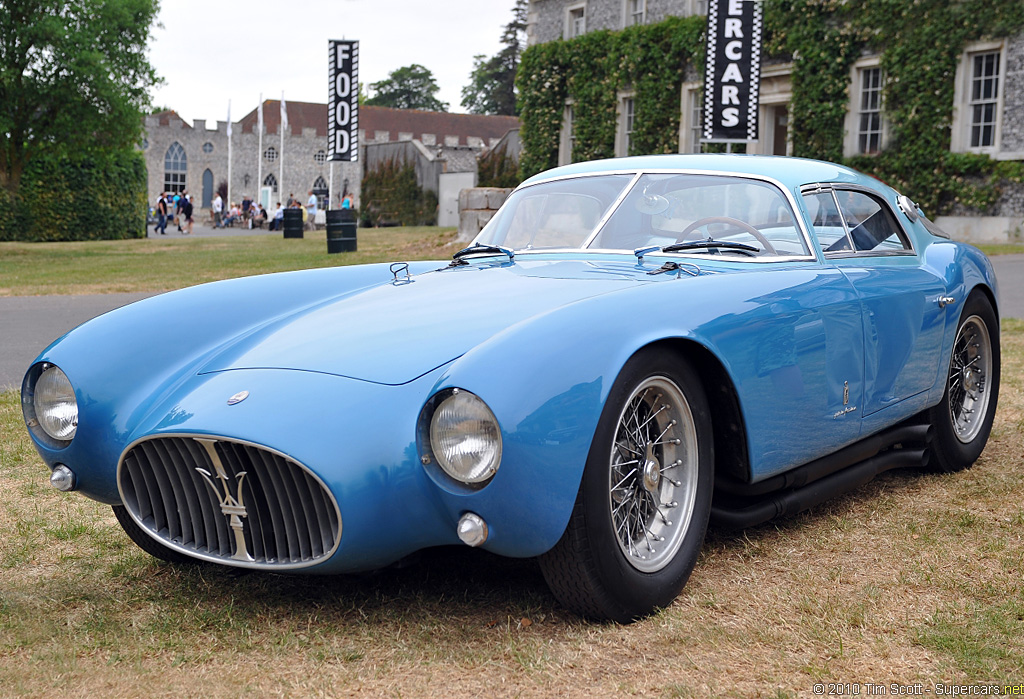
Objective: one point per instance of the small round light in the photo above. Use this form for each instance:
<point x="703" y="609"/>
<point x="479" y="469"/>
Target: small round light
<point x="63" y="478"/>
<point x="55" y="405"/>
<point x="472" y="529"/>
<point x="465" y="438"/>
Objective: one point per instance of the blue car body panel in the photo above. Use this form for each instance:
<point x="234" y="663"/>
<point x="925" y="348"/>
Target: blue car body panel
<point x="339" y="363"/>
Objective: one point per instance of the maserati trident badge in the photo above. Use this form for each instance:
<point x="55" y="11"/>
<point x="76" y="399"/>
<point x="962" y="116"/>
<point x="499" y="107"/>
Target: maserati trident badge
<point x="232" y="507"/>
<point x="238" y="398"/>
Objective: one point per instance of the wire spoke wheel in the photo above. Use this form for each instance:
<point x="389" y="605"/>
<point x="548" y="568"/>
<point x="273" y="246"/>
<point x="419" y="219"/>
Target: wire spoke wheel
<point x="653" y="474"/>
<point x="967" y="384"/>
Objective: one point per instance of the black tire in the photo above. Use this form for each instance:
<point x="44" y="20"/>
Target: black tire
<point x="962" y="421"/>
<point x="609" y="563"/>
<point x="145" y="541"/>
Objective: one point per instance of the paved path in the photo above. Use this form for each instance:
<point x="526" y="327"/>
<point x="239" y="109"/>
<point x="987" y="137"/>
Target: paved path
<point x="29" y="323"/>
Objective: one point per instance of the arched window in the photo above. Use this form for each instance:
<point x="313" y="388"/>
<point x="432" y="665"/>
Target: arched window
<point x="175" y="167"/>
<point x="320" y="157"/>
<point x="321" y="192"/>
<point x="270" y="181"/>
<point x="270" y="154"/>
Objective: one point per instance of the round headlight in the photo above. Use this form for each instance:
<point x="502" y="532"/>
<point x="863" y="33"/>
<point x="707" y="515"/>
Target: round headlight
<point x="55" y="405"/>
<point x="465" y="438"/>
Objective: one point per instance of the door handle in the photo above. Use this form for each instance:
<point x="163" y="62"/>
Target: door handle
<point x="945" y="301"/>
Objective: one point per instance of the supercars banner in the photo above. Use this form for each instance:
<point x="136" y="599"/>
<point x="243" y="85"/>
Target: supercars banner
<point x="343" y="105"/>
<point x="733" y="73"/>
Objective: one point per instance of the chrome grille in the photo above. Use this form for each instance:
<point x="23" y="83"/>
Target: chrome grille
<point x="229" y="502"/>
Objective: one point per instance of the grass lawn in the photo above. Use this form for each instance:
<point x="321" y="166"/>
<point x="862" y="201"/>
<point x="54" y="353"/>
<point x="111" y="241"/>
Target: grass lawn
<point x="151" y="264"/>
<point x="33" y="269"/>
<point x="914" y="578"/>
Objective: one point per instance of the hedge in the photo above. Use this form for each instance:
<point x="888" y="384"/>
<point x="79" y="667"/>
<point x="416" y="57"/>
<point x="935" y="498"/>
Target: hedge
<point x="94" y="197"/>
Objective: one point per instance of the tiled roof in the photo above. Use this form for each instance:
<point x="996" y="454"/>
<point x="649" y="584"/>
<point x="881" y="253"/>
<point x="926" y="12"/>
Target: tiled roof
<point x="395" y="121"/>
<point x="166" y="116"/>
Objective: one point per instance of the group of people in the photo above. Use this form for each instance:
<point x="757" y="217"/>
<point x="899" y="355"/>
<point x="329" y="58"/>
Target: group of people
<point x="176" y="208"/>
<point x="180" y="203"/>
<point x="250" y="213"/>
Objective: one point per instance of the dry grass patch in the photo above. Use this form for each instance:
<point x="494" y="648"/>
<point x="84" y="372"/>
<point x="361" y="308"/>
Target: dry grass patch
<point x="913" y="578"/>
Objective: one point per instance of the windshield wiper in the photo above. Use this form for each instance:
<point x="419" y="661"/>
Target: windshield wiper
<point x="481" y="249"/>
<point x="712" y="243"/>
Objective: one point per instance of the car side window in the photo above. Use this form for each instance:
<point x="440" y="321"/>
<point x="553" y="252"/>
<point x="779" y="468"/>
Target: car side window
<point x="827" y="221"/>
<point x="846" y="221"/>
<point x="871" y="223"/>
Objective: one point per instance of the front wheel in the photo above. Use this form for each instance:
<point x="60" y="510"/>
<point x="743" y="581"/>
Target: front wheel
<point x="643" y="506"/>
<point x="144" y="541"/>
<point x="962" y="421"/>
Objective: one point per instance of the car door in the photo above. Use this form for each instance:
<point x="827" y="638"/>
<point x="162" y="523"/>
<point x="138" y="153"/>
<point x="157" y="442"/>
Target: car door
<point x="861" y="235"/>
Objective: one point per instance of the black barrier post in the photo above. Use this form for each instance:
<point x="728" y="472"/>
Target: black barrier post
<point x="292" y="223"/>
<point x="341" y="231"/>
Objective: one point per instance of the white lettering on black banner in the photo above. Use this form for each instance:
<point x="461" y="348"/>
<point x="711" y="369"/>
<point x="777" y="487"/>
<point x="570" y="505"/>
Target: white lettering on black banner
<point x="343" y="106"/>
<point x="733" y="73"/>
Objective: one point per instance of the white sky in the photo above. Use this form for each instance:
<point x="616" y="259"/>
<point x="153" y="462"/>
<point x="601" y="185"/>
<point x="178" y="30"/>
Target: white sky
<point x="210" y="51"/>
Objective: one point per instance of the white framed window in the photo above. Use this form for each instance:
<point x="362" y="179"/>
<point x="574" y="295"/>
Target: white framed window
<point x="635" y="12"/>
<point x="175" y="168"/>
<point x="271" y="182"/>
<point x="692" y="112"/>
<point x="866" y="126"/>
<point x="979" y="96"/>
<point x="567" y="139"/>
<point x="576" y="20"/>
<point x="984" y="99"/>
<point x="627" y="117"/>
<point x="869" y="116"/>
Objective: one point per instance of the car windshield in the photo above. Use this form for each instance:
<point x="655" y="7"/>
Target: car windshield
<point x="745" y="217"/>
<point x="559" y="214"/>
<point x="691" y="210"/>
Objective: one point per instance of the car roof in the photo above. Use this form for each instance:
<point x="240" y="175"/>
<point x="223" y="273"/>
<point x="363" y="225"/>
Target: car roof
<point x="790" y="172"/>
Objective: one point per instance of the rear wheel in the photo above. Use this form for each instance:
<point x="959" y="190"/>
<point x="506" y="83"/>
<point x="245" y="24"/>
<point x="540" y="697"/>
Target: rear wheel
<point x="962" y="421"/>
<point x="642" y="509"/>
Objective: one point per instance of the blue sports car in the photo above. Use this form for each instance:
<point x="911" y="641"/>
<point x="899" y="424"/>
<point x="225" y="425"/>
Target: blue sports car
<point x="630" y="349"/>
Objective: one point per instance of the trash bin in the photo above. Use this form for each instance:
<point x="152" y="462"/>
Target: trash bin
<point x="341" y="231"/>
<point x="292" y="223"/>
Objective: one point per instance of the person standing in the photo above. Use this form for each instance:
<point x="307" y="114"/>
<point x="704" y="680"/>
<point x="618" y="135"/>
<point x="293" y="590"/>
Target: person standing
<point x="161" y="213"/>
<point x="176" y="205"/>
<point x="186" y="212"/>
<point x="311" y="211"/>
<point x="218" y="211"/>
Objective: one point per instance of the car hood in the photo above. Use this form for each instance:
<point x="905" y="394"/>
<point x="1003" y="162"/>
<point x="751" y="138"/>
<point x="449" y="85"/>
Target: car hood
<point x="394" y="332"/>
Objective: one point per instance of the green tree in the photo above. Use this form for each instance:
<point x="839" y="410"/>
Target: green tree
<point x="409" y="87"/>
<point x="491" y="89"/>
<point x="74" y="78"/>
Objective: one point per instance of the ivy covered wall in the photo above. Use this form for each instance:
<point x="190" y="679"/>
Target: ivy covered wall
<point x="591" y="71"/>
<point x="920" y="43"/>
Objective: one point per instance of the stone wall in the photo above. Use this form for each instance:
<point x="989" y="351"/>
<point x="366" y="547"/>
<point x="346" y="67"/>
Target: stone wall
<point x="1013" y="98"/>
<point x="249" y="164"/>
<point x="546" y="18"/>
<point x="476" y="207"/>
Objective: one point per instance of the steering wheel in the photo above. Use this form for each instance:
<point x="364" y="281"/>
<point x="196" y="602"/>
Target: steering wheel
<point x="731" y="221"/>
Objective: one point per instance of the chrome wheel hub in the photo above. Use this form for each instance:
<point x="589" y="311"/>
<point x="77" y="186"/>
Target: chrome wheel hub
<point x="653" y="474"/>
<point x="969" y="370"/>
